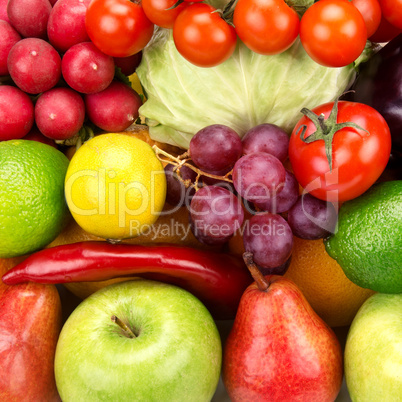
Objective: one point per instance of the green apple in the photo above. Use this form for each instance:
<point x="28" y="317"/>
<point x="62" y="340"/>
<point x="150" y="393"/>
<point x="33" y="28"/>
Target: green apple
<point x="139" y="340"/>
<point x="373" y="350"/>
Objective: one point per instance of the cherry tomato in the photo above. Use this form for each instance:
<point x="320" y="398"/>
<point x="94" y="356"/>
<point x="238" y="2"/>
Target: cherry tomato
<point x="357" y="157"/>
<point x="385" y="32"/>
<point x="266" y="26"/>
<point x="161" y="13"/>
<point x="118" y="28"/>
<point x="392" y="11"/>
<point x="371" y="12"/>
<point x="333" y="32"/>
<point x="202" y="37"/>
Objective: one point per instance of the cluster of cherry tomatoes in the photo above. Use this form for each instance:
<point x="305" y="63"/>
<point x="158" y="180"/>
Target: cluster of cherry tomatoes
<point x="333" y="32"/>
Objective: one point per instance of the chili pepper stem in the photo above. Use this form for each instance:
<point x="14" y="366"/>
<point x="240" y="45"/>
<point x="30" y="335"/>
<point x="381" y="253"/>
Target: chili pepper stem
<point x="257" y="275"/>
<point x="126" y="329"/>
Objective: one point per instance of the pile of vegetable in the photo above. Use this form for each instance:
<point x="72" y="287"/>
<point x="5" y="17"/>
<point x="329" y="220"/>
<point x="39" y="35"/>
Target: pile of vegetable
<point x="246" y="90"/>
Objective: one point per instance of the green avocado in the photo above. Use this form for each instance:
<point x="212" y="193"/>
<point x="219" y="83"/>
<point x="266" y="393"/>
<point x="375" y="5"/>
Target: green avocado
<point x="367" y="242"/>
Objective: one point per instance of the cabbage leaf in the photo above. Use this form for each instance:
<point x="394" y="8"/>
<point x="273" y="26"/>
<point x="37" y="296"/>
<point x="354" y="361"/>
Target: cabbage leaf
<point x="246" y="90"/>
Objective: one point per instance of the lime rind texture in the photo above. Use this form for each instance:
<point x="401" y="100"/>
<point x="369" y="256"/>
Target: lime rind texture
<point x="367" y="243"/>
<point x="33" y="210"/>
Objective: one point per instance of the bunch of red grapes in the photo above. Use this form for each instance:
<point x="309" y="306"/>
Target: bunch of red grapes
<point x="249" y="179"/>
<point x="55" y="80"/>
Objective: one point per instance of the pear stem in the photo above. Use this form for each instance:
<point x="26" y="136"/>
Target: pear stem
<point x="257" y="275"/>
<point x="127" y="330"/>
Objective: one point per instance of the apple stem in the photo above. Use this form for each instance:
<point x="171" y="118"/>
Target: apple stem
<point x="257" y="275"/>
<point x="127" y="330"/>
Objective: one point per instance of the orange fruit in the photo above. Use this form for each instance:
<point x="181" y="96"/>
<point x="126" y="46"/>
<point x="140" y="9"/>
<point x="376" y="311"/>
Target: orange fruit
<point x="321" y="279"/>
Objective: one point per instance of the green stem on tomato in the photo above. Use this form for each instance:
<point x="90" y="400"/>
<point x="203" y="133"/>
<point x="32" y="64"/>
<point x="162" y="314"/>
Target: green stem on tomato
<point x="325" y="129"/>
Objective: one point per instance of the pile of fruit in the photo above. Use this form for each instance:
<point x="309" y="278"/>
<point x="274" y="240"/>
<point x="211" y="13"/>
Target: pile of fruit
<point x="151" y="250"/>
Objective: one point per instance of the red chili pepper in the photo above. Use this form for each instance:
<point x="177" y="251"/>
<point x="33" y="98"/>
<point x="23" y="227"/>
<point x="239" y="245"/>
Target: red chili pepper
<point x="217" y="279"/>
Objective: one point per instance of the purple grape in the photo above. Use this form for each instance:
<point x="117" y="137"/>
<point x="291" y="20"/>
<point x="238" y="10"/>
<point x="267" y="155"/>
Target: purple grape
<point x="59" y="113"/>
<point x="86" y="69"/>
<point x="16" y="113"/>
<point x="280" y="270"/>
<point x="258" y="177"/>
<point x="215" y="214"/>
<point x="9" y="37"/>
<point x="267" y="138"/>
<point x="128" y="64"/>
<point x="215" y="148"/>
<point x="283" y="201"/>
<point x="269" y="238"/>
<point x="66" y="25"/>
<point x="114" y="108"/>
<point x="205" y="238"/>
<point x="34" y="65"/>
<point x="29" y="18"/>
<point x="210" y="181"/>
<point x="311" y="218"/>
<point x="177" y="193"/>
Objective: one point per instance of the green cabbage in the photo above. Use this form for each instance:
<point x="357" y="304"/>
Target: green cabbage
<point x="246" y="90"/>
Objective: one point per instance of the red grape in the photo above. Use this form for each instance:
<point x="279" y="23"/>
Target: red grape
<point x="215" y="148"/>
<point x="269" y="238"/>
<point x="283" y="201"/>
<point x="280" y="270"/>
<point x="258" y="177"/>
<point x="177" y="193"/>
<point x="216" y="213"/>
<point x="267" y="138"/>
<point x="311" y="218"/>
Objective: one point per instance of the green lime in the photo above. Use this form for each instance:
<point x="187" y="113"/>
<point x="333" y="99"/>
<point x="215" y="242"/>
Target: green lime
<point x="33" y="210"/>
<point x="368" y="241"/>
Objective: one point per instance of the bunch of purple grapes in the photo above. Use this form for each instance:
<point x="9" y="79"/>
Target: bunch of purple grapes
<point x="54" y="78"/>
<point x="259" y="184"/>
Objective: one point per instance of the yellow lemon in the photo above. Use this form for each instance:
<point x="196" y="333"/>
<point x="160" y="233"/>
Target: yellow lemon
<point x="115" y="186"/>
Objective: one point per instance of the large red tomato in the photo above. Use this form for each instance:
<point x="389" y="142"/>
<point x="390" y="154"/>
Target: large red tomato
<point x="202" y="36"/>
<point x="371" y="13"/>
<point x="118" y="28"/>
<point x="392" y="11"/>
<point x="333" y="159"/>
<point x="333" y="32"/>
<point x="266" y="26"/>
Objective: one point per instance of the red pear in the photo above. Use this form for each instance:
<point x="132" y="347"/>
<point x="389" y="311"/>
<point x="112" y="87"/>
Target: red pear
<point x="279" y="349"/>
<point x="30" y="323"/>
